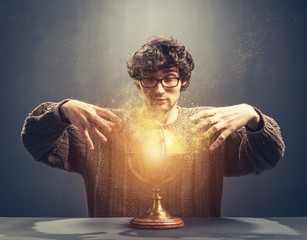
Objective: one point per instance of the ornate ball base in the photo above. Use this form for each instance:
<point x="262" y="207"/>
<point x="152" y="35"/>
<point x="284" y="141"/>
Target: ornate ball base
<point x="156" y="217"/>
<point x="147" y="223"/>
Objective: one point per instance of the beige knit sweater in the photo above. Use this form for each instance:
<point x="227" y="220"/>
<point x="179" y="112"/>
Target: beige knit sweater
<point x="111" y="188"/>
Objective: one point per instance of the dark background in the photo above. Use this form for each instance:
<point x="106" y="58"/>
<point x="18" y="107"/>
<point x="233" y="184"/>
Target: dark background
<point x="245" y="51"/>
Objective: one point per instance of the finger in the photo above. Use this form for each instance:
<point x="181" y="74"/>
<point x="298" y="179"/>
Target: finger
<point x="100" y="135"/>
<point x="87" y="139"/>
<point x="212" y="130"/>
<point x="205" y="123"/>
<point x="109" y="114"/>
<point x="221" y="138"/>
<point x="104" y="124"/>
<point x="111" y="124"/>
<point x="203" y="114"/>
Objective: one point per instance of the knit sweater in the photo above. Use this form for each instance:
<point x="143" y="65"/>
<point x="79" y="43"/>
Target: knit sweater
<point x="112" y="189"/>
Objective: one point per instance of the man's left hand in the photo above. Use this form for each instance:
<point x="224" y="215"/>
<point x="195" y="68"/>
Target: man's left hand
<point x="226" y="120"/>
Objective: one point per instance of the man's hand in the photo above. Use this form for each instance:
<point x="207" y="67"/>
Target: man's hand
<point x="90" y="119"/>
<point x="226" y="120"/>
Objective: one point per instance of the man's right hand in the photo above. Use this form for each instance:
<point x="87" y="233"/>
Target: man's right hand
<point x="90" y="119"/>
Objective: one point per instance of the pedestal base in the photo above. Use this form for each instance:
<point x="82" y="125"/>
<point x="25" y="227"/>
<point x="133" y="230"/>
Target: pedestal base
<point x="156" y="217"/>
<point x="148" y="223"/>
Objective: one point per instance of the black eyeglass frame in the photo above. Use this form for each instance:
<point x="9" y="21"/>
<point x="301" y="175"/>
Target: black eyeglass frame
<point x="161" y="81"/>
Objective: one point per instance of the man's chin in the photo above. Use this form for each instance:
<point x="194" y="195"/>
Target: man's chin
<point x="160" y="108"/>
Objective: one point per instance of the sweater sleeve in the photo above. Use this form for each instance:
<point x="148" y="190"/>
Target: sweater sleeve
<point x="249" y="152"/>
<point x="51" y="140"/>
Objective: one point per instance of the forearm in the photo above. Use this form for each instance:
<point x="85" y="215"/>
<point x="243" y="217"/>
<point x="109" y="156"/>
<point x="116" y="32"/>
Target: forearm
<point x="254" y="151"/>
<point x="265" y="144"/>
<point x="45" y="137"/>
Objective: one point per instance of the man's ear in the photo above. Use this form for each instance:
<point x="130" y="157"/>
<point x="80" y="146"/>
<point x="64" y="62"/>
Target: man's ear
<point x="137" y="83"/>
<point x="185" y="84"/>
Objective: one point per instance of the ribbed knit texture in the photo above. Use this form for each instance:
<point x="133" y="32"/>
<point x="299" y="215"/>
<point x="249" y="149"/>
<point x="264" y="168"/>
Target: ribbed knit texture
<point x="111" y="188"/>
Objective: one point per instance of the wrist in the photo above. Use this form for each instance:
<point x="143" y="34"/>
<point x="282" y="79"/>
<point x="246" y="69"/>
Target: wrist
<point x="62" y="111"/>
<point x="255" y="123"/>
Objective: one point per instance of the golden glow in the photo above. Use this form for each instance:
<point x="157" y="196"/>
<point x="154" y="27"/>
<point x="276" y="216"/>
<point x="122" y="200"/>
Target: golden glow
<point x="156" y="155"/>
<point x="156" y="142"/>
<point x="148" y="136"/>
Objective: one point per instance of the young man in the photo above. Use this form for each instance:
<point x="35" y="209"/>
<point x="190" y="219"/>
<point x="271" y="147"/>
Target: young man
<point x="94" y="141"/>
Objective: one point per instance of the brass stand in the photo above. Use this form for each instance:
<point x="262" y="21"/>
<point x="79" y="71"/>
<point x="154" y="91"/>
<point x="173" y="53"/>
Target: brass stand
<point x="156" y="217"/>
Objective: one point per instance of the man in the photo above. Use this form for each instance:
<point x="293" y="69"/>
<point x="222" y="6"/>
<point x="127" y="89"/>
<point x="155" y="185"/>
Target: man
<point x="94" y="141"/>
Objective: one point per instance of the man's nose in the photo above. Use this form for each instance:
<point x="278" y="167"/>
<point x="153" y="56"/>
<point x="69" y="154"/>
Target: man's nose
<point x="159" y="88"/>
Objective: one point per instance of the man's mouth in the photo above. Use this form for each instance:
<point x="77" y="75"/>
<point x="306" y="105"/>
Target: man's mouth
<point x="159" y="99"/>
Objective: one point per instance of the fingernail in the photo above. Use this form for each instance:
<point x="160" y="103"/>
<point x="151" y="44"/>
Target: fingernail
<point x="212" y="148"/>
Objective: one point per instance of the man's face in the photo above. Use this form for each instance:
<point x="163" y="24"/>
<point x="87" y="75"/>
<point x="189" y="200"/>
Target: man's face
<point x="160" y="98"/>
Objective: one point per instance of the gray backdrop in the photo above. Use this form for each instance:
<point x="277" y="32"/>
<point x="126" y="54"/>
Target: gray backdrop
<point x="245" y="51"/>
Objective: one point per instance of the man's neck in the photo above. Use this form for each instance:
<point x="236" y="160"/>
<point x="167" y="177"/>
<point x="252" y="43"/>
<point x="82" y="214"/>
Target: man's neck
<point x="163" y="118"/>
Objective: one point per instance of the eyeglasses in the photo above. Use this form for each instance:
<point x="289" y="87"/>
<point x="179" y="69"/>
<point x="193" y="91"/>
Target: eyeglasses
<point x="166" y="82"/>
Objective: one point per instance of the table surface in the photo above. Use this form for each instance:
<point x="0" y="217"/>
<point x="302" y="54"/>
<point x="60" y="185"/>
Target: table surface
<point x="118" y="228"/>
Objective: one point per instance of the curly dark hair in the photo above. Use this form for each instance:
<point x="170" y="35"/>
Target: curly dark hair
<point x="158" y="53"/>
